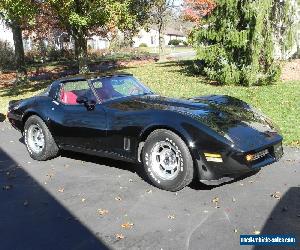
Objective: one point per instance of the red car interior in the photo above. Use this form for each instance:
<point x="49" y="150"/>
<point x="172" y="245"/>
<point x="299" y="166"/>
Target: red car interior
<point x="68" y="97"/>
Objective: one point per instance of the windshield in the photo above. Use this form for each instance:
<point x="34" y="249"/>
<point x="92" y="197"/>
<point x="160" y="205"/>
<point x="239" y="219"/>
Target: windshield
<point x="108" y="88"/>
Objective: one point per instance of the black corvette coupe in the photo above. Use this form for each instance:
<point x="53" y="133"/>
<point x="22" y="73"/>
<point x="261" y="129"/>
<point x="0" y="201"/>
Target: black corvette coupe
<point x="212" y="138"/>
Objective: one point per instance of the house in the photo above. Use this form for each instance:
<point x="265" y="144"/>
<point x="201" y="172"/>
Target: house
<point x="62" y="40"/>
<point x="151" y="37"/>
<point x="97" y="43"/>
<point x="6" y="34"/>
<point x="174" y="34"/>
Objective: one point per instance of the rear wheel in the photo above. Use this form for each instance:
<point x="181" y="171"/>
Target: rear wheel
<point x="167" y="160"/>
<point x="38" y="139"/>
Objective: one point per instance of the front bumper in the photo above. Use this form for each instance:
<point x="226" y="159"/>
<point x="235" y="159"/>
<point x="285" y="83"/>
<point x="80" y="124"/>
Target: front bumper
<point x="235" y="165"/>
<point x="15" y="120"/>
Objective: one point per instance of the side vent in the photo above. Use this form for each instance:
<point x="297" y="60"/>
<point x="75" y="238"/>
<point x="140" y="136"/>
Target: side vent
<point x="126" y="144"/>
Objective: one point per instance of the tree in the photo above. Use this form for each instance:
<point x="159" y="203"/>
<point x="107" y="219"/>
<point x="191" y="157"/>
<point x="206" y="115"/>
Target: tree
<point x="44" y="26"/>
<point x="81" y="19"/>
<point x="194" y="10"/>
<point x="139" y="11"/>
<point x="18" y="14"/>
<point x="285" y="25"/>
<point x="162" y="11"/>
<point x="236" y="42"/>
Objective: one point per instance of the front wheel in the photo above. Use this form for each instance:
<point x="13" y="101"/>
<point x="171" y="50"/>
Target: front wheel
<point x="38" y="139"/>
<point x="167" y="160"/>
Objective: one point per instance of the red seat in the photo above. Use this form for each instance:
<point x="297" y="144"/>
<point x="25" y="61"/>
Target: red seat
<point x="68" y="98"/>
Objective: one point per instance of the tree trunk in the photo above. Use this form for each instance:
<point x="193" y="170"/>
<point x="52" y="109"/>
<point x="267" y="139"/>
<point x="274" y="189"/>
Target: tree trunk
<point x="128" y="39"/>
<point x="161" y="40"/>
<point x="19" y="48"/>
<point x="81" y="53"/>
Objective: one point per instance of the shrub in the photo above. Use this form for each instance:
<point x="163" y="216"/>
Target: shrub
<point x="143" y="45"/>
<point x="185" y="43"/>
<point x="175" y="42"/>
<point x="236" y="43"/>
<point x="7" y="56"/>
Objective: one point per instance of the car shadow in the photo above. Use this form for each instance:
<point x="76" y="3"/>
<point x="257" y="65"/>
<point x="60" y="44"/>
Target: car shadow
<point x="197" y="185"/>
<point x="123" y="165"/>
<point x="31" y="218"/>
<point x="284" y="219"/>
<point x="139" y="170"/>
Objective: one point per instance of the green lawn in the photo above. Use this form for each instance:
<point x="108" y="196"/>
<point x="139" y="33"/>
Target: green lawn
<point x="281" y="102"/>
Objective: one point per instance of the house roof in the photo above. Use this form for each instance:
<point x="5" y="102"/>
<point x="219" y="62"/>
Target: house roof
<point x="174" y="32"/>
<point x="171" y="31"/>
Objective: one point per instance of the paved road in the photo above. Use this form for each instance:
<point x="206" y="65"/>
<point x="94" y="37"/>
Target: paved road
<point x="53" y="204"/>
<point x="183" y="55"/>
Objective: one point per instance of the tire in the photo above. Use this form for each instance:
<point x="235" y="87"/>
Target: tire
<point x="167" y="160"/>
<point x="39" y="149"/>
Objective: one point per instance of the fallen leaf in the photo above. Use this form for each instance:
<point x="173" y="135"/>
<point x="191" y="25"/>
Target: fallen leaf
<point x="83" y="200"/>
<point x="7" y="187"/>
<point x="61" y="190"/>
<point x="50" y="175"/>
<point x="242" y="184"/>
<point x="127" y="225"/>
<point x="102" y="212"/>
<point x="26" y="203"/>
<point x="149" y="191"/>
<point x="276" y="195"/>
<point x="130" y="180"/>
<point x="256" y="232"/>
<point x="171" y="217"/>
<point x="205" y="211"/>
<point x="215" y="200"/>
<point x="235" y="230"/>
<point x="251" y="181"/>
<point x="120" y="236"/>
<point x="233" y="199"/>
<point x="118" y="198"/>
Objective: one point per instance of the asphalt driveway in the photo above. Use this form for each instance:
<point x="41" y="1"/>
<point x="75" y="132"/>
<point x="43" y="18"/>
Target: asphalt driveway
<point x="83" y="202"/>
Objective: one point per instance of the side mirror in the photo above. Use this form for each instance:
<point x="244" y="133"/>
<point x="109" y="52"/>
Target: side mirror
<point x="89" y="104"/>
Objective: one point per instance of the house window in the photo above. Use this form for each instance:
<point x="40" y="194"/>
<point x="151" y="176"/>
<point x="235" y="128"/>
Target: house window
<point x="152" y="40"/>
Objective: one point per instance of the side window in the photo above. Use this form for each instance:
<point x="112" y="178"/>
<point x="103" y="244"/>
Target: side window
<point x="70" y="91"/>
<point x="108" y="88"/>
<point x="123" y="86"/>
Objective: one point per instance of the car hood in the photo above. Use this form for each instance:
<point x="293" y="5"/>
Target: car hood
<point x="232" y="118"/>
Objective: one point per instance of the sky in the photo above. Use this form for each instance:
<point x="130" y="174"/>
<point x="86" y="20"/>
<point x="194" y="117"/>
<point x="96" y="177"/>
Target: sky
<point x="177" y="2"/>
